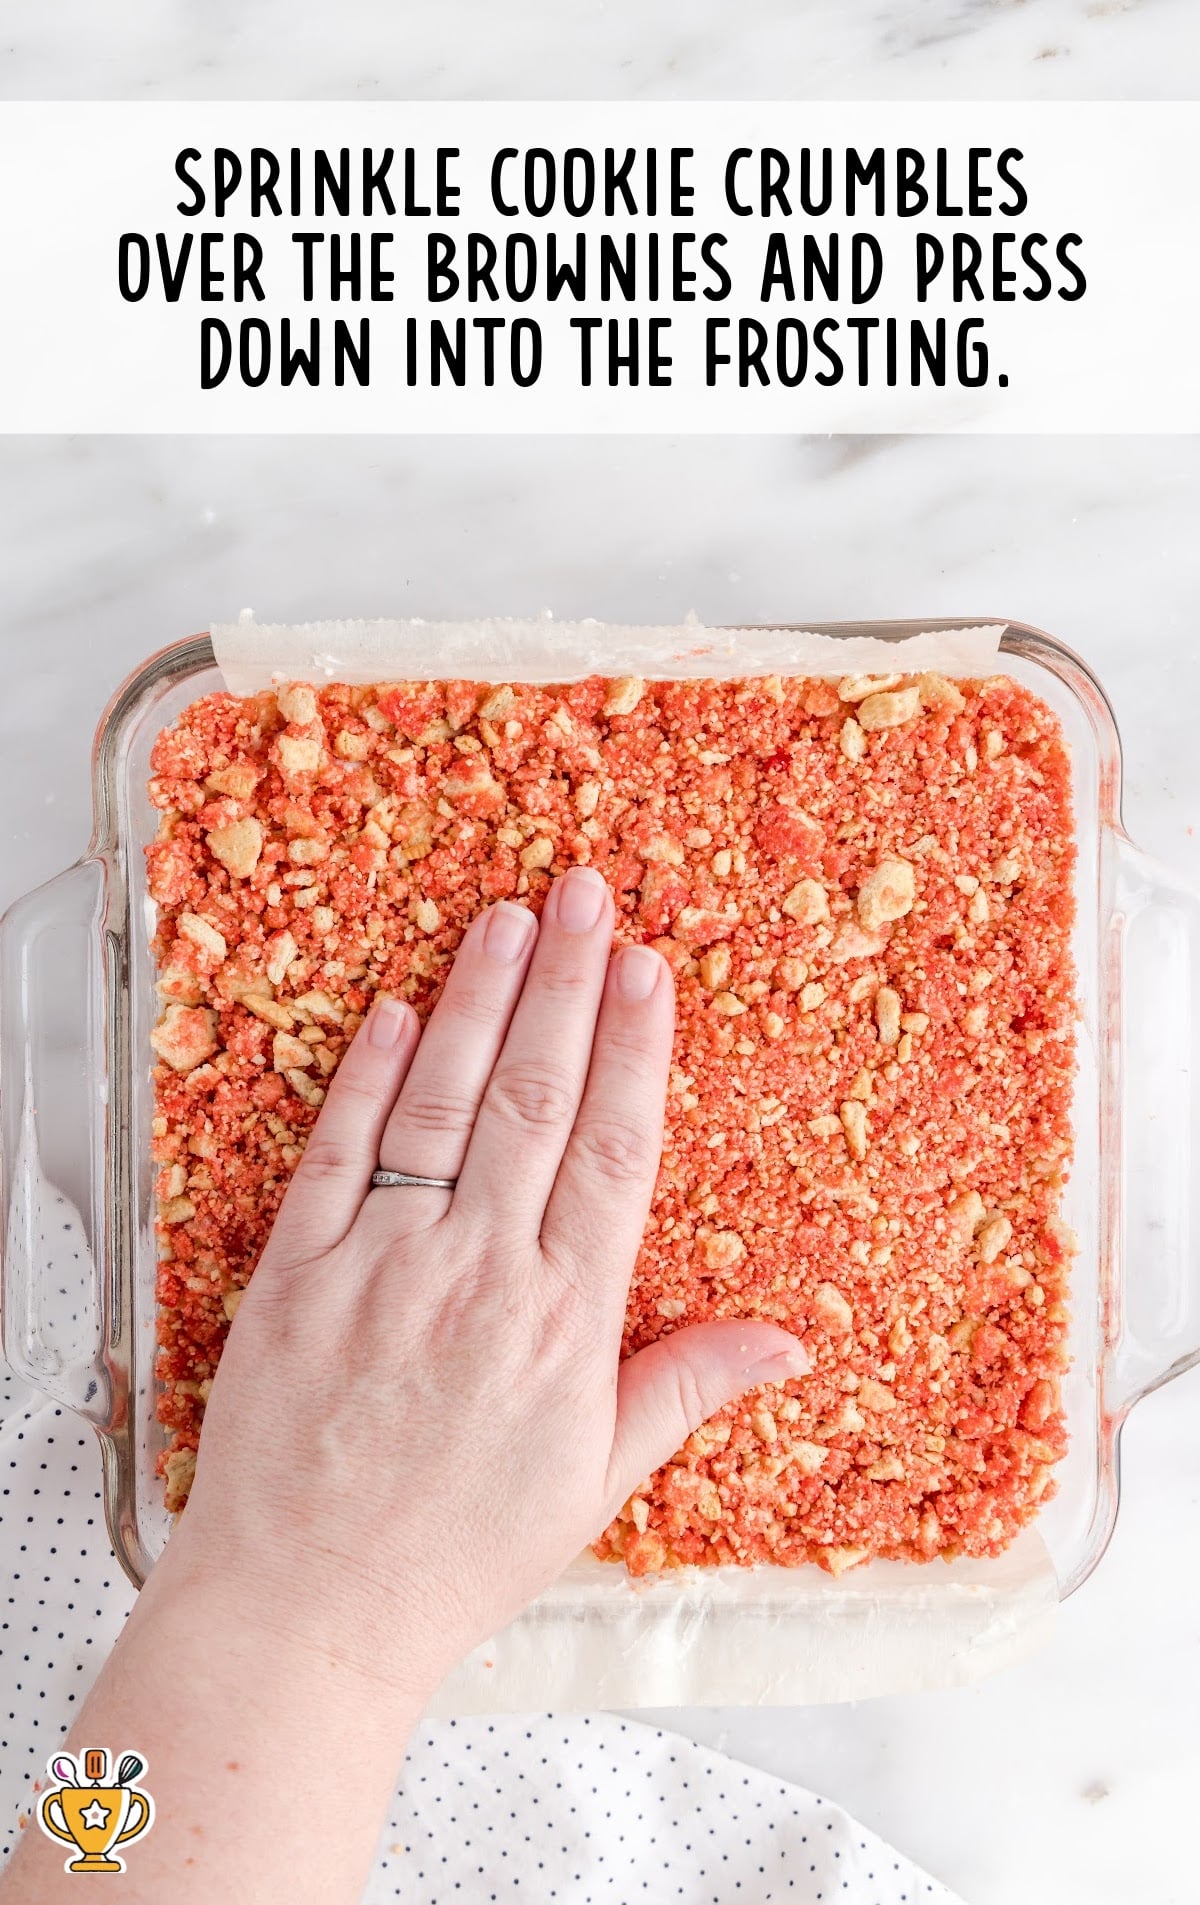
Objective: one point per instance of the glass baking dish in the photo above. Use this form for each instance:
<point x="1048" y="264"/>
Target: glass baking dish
<point x="77" y="1004"/>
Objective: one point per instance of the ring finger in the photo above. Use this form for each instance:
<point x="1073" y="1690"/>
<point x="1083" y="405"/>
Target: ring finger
<point x="432" y="1119"/>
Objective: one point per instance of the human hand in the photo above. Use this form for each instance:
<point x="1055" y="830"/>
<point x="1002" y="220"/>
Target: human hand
<point x="420" y="1416"/>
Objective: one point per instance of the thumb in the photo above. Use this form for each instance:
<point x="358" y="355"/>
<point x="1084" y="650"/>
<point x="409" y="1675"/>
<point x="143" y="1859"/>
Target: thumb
<point x="669" y="1389"/>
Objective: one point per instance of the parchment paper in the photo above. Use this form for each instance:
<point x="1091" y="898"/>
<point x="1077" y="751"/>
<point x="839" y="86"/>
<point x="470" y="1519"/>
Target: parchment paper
<point x="253" y="655"/>
<point x="706" y="1636"/>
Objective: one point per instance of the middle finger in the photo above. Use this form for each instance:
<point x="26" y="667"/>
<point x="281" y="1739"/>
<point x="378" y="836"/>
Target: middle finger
<point x="529" y="1107"/>
<point x="430" y="1123"/>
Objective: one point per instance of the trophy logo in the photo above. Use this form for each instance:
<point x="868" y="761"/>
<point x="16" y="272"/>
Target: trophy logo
<point x="91" y="1816"/>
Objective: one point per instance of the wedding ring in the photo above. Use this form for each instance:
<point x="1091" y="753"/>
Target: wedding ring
<point x="384" y="1180"/>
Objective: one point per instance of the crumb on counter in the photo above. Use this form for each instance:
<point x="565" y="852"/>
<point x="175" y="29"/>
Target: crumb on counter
<point x="864" y="890"/>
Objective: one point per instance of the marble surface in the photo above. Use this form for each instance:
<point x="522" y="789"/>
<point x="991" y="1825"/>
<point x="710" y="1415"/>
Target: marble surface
<point x="1072" y="1780"/>
<point x="601" y="49"/>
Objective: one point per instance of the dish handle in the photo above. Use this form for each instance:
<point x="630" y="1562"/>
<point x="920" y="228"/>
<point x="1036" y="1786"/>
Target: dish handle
<point x="54" y="1141"/>
<point x="1153" y="1223"/>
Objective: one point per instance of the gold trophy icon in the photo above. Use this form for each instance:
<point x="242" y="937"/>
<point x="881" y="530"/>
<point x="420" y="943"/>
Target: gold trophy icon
<point x="95" y="1818"/>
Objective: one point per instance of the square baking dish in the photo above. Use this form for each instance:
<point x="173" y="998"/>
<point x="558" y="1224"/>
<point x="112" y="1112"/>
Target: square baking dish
<point x="77" y="1004"/>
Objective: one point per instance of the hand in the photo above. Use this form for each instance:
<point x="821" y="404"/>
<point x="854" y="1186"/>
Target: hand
<point x="420" y="1417"/>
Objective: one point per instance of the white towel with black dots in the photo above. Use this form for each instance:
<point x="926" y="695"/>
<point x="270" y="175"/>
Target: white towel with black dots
<point x="590" y="1810"/>
<point x="596" y="1810"/>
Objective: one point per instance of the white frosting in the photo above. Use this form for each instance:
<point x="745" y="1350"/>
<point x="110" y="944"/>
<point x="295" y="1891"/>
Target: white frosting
<point x="760" y="1636"/>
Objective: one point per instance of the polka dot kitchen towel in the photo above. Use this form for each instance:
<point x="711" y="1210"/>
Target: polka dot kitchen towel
<point x="589" y="1810"/>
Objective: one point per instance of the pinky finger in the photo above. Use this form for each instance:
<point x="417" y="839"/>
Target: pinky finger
<point x="334" y="1175"/>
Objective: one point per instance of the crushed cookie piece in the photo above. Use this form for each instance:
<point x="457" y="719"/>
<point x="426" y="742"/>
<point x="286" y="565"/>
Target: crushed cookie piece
<point x="852" y="741"/>
<point x="832" y="1309"/>
<point x="305" y="1088"/>
<point x="537" y="855"/>
<point x="663" y="850"/>
<point x="238" y="846"/>
<point x="858" y="687"/>
<point x="287" y="1051"/>
<point x="722" y="1248"/>
<point x="350" y="746"/>
<point x="297" y="703"/>
<point x="728" y="1004"/>
<point x="886" y="894"/>
<point x="806" y="902"/>
<point x="202" y="934"/>
<point x="875" y="1396"/>
<point x="891" y="710"/>
<point x="239" y="780"/>
<point x="889" y="1468"/>
<point x="887" y="1015"/>
<point x="715" y="967"/>
<point x="966" y="1213"/>
<point x="852" y="941"/>
<point x="936" y="692"/>
<point x="791" y="973"/>
<point x="854" y="1124"/>
<point x="979" y="909"/>
<point x="179" y="1468"/>
<point x="624" y="695"/>
<point x="836" y="1561"/>
<point x="699" y="925"/>
<point x="993" y="1236"/>
<point x="298" y="754"/>
<point x="809" y="1457"/>
<point x="185" y="1037"/>
<point x="271" y="1010"/>
<point x="280" y="949"/>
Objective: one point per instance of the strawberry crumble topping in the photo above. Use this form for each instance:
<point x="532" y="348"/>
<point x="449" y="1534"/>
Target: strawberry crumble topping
<point x="864" y="889"/>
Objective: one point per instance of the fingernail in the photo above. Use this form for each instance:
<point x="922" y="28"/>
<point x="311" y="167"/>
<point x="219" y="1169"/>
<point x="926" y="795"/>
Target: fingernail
<point x="507" y="932"/>
<point x="388" y="1019"/>
<point x="784" y="1366"/>
<point x="637" y="972"/>
<point x="580" y="899"/>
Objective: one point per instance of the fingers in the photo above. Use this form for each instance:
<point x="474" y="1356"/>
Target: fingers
<point x="530" y="1102"/>
<point x="669" y="1389"/>
<point x="601" y="1197"/>
<point x="433" y="1116"/>
<point x="332" y="1178"/>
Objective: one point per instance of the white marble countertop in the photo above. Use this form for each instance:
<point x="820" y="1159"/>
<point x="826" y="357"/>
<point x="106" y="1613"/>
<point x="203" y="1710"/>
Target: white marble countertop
<point x="1071" y="1781"/>
<point x="601" y="49"/>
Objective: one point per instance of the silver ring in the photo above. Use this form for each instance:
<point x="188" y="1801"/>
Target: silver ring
<point x="385" y="1180"/>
